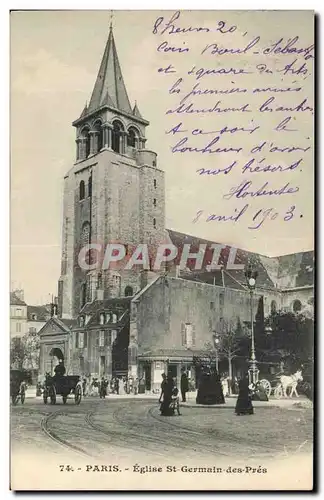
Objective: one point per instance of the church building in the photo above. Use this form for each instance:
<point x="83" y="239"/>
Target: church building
<point x="116" y="321"/>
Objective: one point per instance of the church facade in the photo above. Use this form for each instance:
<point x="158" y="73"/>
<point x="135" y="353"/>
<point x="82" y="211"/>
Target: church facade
<point x="116" y="321"/>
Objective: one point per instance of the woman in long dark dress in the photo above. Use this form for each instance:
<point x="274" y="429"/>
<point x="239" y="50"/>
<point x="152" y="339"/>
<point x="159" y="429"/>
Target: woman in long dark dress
<point x="166" y="396"/>
<point x="244" y="404"/>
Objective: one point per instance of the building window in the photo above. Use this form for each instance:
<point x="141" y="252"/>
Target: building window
<point x="81" y="321"/>
<point x="273" y="307"/>
<point x="113" y="336"/>
<point x="117" y="137"/>
<point x="154" y="183"/>
<point x="90" y="186"/>
<point x="81" y="340"/>
<point x="98" y="129"/>
<point x="102" y="318"/>
<point x="18" y="328"/>
<point x="188" y="335"/>
<point x="114" y="318"/>
<point x="101" y="338"/>
<point x="212" y="306"/>
<point x="129" y="291"/>
<point x="297" y="306"/>
<point x="154" y="222"/>
<point x="85" y="234"/>
<point x="33" y="317"/>
<point x="154" y="163"/>
<point x="131" y="138"/>
<point x="221" y="299"/>
<point x="82" y="190"/>
<point x="108" y="318"/>
<point x="154" y="202"/>
<point x="108" y="337"/>
<point x="83" y="295"/>
<point x="18" y="312"/>
<point x="210" y="324"/>
<point x="32" y="329"/>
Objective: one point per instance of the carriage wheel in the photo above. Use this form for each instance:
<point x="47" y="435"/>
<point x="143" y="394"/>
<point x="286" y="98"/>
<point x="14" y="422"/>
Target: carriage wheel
<point x="14" y="400"/>
<point x="278" y="392"/>
<point x="266" y="386"/>
<point x="77" y="395"/>
<point x="52" y="395"/>
<point x="45" y="396"/>
<point x="64" y="399"/>
<point x="22" y="396"/>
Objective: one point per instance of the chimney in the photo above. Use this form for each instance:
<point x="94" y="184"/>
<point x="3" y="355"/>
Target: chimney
<point x="19" y="293"/>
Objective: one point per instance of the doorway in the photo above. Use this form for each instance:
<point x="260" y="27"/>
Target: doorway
<point x="147" y="375"/>
<point x="102" y="365"/>
<point x="173" y="372"/>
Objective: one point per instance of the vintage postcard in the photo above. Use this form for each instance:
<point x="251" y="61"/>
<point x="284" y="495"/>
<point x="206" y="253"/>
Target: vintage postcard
<point x="162" y="250"/>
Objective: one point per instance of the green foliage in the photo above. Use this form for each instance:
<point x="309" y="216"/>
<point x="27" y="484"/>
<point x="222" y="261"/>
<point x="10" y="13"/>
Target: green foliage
<point x="17" y="353"/>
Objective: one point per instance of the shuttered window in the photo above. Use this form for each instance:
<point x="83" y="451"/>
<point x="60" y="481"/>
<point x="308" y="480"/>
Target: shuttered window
<point x="101" y="338"/>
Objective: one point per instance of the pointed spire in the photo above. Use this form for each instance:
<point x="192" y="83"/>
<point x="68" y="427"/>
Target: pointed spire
<point x="110" y="85"/>
<point x="136" y="111"/>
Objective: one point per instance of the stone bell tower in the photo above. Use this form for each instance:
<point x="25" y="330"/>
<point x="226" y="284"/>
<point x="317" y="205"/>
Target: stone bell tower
<point x="114" y="193"/>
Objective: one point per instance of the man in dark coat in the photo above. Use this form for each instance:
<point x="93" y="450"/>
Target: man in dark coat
<point x="244" y="404"/>
<point x="184" y="385"/>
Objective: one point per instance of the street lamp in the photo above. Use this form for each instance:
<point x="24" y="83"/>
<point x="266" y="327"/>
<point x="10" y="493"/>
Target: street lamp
<point x="251" y="276"/>
<point x="216" y="346"/>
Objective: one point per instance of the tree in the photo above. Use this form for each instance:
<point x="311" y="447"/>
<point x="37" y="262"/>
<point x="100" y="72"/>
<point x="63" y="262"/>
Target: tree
<point x="17" y="353"/>
<point x="24" y="351"/>
<point x="292" y="334"/>
<point x="233" y="341"/>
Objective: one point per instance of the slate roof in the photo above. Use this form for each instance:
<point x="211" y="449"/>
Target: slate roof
<point x="110" y="83"/>
<point x="232" y="278"/>
<point x="42" y="313"/>
<point x="16" y="301"/>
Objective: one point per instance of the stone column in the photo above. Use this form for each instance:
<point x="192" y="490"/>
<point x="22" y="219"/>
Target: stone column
<point x="123" y="138"/>
<point x="107" y="135"/>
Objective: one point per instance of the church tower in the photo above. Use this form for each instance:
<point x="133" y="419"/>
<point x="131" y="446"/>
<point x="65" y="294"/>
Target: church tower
<point x="114" y="193"/>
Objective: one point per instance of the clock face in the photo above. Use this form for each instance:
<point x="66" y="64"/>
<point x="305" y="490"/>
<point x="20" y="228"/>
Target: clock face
<point x="252" y="282"/>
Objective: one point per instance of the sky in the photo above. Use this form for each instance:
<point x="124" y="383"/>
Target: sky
<point x="55" y="57"/>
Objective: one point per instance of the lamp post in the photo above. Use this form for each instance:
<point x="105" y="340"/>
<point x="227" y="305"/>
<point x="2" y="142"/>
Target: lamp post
<point x="216" y="346"/>
<point x="251" y="276"/>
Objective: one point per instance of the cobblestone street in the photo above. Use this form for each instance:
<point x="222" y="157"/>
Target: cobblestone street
<point x="131" y="431"/>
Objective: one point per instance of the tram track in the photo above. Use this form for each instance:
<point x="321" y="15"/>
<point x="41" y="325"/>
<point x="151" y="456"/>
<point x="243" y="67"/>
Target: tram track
<point x="59" y="440"/>
<point x="233" y="439"/>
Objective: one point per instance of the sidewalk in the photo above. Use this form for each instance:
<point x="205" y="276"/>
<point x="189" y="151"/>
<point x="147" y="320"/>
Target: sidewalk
<point x="230" y="402"/>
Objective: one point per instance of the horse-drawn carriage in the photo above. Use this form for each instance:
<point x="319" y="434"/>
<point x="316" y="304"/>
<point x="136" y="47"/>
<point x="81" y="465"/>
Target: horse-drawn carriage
<point x="64" y="385"/>
<point x="18" y="385"/>
<point x="279" y="384"/>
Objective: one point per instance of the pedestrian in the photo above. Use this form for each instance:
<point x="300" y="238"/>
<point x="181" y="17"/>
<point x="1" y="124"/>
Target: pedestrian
<point x="117" y="385"/>
<point x="135" y="386"/>
<point x="166" y="395"/>
<point x="84" y="387"/>
<point x="184" y="385"/>
<point x="244" y="403"/>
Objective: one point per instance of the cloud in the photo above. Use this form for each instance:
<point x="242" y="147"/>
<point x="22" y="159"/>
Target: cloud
<point x="42" y="72"/>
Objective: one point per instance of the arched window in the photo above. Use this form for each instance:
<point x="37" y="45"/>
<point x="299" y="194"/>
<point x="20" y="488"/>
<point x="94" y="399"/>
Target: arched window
<point x="82" y="190"/>
<point x="128" y="291"/>
<point x="85" y="234"/>
<point x="86" y="141"/>
<point x="90" y="186"/>
<point x="102" y="318"/>
<point x="83" y="294"/>
<point x="154" y="183"/>
<point x="273" y="307"/>
<point x="108" y="318"/>
<point x="131" y="138"/>
<point x="297" y="306"/>
<point x="116" y="137"/>
<point x="114" y="318"/>
<point x="99" y="136"/>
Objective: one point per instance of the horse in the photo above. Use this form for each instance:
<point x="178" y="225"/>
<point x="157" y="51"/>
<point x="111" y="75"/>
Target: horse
<point x="290" y="381"/>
